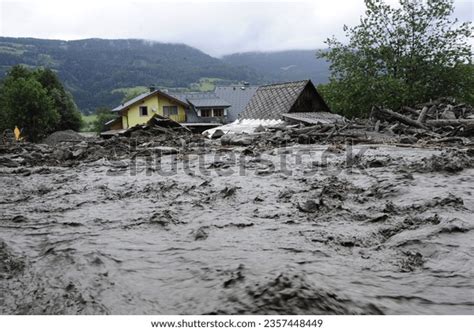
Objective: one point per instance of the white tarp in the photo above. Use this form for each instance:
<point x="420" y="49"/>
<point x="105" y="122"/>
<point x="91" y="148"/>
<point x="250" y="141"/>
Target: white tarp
<point x="243" y="126"/>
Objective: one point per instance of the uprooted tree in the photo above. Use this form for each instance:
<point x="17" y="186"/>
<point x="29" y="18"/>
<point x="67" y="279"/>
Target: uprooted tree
<point x="400" y="56"/>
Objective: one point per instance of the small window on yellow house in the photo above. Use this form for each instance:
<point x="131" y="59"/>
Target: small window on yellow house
<point x="143" y="110"/>
<point x="170" y="110"/>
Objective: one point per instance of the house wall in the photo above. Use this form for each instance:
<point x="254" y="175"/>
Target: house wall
<point x="124" y="121"/>
<point x="154" y="102"/>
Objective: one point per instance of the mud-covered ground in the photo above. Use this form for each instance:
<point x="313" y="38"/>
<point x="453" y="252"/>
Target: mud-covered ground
<point x="304" y="229"/>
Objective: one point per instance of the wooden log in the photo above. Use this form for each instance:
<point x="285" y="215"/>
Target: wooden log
<point x="377" y="126"/>
<point x="314" y="128"/>
<point x="327" y="134"/>
<point x="389" y="115"/>
<point x="441" y="123"/>
<point x="422" y="117"/>
<point x="411" y="111"/>
<point x="333" y="131"/>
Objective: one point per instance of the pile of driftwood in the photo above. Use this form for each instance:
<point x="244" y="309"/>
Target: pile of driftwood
<point x="441" y="121"/>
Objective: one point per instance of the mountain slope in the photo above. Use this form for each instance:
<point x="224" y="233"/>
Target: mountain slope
<point x="284" y="65"/>
<point x="92" y="68"/>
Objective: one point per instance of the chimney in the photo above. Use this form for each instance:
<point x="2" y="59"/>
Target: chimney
<point x="152" y="88"/>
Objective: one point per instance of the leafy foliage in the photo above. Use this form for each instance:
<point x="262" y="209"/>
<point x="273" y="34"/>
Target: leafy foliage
<point x="399" y="56"/>
<point x="26" y="103"/>
<point x="37" y="103"/>
<point x="88" y="123"/>
<point x="69" y="116"/>
<point x="103" y="115"/>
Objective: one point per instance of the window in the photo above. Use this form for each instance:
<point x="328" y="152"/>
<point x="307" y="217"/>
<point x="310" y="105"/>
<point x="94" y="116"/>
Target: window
<point x="170" y="110"/>
<point x="218" y="112"/>
<point x="206" y="112"/>
<point x="143" y="110"/>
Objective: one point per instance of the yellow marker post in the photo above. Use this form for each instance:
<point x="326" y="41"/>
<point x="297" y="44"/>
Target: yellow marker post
<point x="17" y="133"/>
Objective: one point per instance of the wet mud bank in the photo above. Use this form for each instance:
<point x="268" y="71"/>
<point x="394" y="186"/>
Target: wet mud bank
<point x="197" y="227"/>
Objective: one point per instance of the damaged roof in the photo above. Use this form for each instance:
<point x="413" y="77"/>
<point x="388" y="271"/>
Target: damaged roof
<point x="271" y="101"/>
<point x="314" y="117"/>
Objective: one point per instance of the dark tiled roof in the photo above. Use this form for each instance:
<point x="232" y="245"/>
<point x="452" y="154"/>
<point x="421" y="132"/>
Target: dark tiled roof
<point x="238" y="96"/>
<point x="184" y="96"/>
<point x="202" y="99"/>
<point x="270" y="101"/>
<point x="211" y="102"/>
<point x="314" y="117"/>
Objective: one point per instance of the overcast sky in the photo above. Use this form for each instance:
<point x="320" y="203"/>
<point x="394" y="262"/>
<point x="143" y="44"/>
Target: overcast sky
<point x="216" y="27"/>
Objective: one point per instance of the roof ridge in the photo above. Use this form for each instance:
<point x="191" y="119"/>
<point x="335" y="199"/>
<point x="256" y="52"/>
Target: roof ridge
<point x="286" y="83"/>
<point x="144" y="95"/>
<point x="236" y="85"/>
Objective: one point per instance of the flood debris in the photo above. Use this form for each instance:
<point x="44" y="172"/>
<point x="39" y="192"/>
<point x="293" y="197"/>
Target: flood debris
<point x="439" y="121"/>
<point x="156" y="125"/>
<point x="64" y="136"/>
<point x="290" y="219"/>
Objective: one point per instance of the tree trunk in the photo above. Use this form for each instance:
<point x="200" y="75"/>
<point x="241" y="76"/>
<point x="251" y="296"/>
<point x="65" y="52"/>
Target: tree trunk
<point x="440" y="123"/>
<point x="388" y="115"/>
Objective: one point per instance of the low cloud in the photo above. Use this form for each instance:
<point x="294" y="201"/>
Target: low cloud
<point x="216" y="28"/>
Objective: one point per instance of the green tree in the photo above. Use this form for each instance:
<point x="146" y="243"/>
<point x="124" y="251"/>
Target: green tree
<point x="37" y="103"/>
<point x="399" y="56"/>
<point x="70" y="117"/>
<point x="26" y="104"/>
<point x="103" y="116"/>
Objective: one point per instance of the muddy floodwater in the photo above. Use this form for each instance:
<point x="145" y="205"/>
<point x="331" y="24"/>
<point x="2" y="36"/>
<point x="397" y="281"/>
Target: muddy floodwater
<point x="305" y="229"/>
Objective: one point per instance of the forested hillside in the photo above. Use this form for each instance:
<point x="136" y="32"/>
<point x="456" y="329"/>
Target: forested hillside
<point x="284" y="65"/>
<point x="91" y="69"/>
<point x="98" y="72"/>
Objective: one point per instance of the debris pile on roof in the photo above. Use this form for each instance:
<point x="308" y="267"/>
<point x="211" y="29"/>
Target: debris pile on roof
<point x="320" y="117"/>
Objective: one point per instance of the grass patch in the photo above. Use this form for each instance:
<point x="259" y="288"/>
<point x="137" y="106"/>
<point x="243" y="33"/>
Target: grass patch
<point x="205" y="84"/>
<point x="88" y="121"/>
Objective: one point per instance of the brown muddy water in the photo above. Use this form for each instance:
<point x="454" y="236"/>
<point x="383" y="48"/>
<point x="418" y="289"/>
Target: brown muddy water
<point x="297" y="230"/>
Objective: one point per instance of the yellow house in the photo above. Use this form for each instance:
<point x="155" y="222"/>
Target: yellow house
<point x="140" y="109"/>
